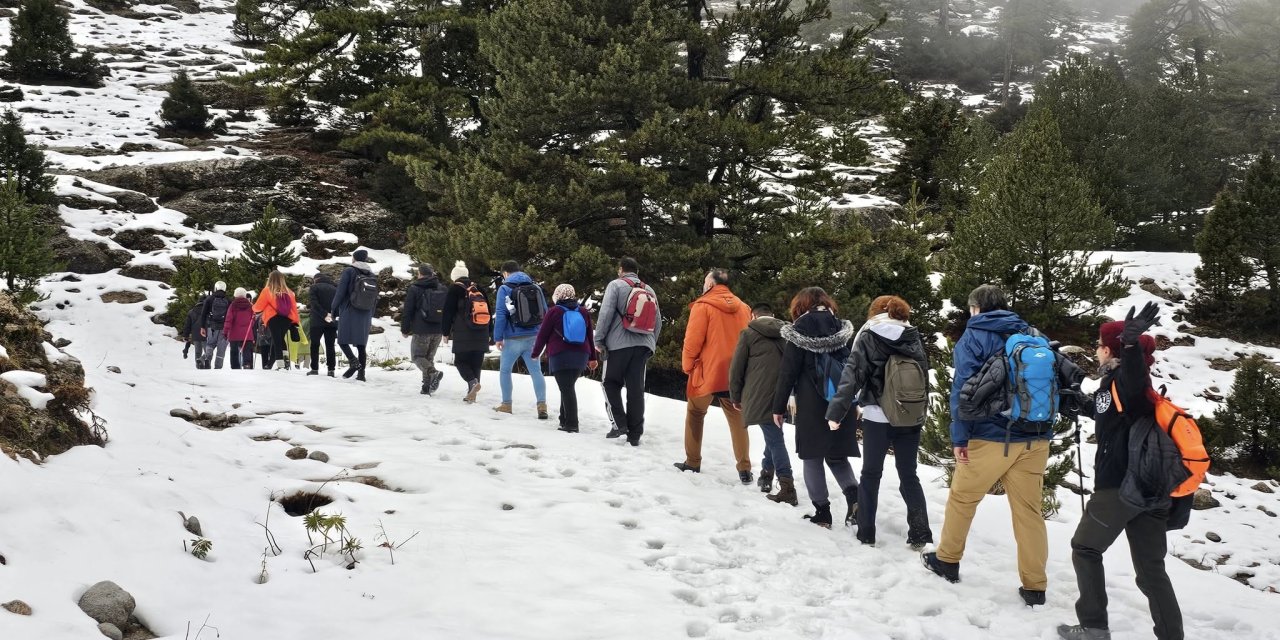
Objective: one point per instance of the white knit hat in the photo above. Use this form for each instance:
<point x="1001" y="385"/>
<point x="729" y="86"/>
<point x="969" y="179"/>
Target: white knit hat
<point x="219" y="286"/>
<point x="564" y="292"/>
<point x="241" y="293"/>
<point x="459" y="271"/>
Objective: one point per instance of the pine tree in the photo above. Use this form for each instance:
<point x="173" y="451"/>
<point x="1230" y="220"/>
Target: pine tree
<point x="183" y="109"/>
<point x="1031" y="230"/>
<point x="1244" y="434"/>
<point x="936" y="449"/>
<point x="193" y="278"/>
<point x="1165" y="33"/>
<point x="25" y="255"/>
<point x="42" y="49"/>
<point x="250" y="26"/>
<point x="1030" y="32"/>
<point x="266" y="248"/>
<point x="22" y="163"/>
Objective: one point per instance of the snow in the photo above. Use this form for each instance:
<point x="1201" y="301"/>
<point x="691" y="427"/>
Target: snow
<point x="27" y="382"/>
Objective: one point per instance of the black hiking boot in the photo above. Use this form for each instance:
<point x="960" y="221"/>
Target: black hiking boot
<point x="684" y="467"/>
<point x="949" y="571"/>
<point x="313" y="372"/>
<point x="1032" y="598"/>
<point x="567" y="429"/>
<point x="434" y="384"/>
<point x="351" y="370"/>
<point x="821" y="515"/>
<point x="331" y="373"/>
<point x="766" y="480"/>
<point x="360" y="374"/>
<point x="1077" y="632"/>
<point x="426" y="389"/>
<point x="851" y="496"/>
<point x="745" y="477"/>
<point x="616" y="432"/>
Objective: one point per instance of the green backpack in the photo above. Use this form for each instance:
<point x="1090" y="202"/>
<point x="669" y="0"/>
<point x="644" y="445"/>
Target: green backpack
<point x="906" y="392"/>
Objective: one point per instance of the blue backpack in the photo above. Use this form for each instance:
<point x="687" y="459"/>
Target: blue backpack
<point x="573" y="327"/>
<point x="1032" y="382"/>
<point x="828" y="370"/>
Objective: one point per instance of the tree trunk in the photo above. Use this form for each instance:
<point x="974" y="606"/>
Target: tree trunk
<point x="697" y="52"/>
<point x="1273" y="284"/>
<point x="1010" y="36"/>
<point x="944" y="18"/>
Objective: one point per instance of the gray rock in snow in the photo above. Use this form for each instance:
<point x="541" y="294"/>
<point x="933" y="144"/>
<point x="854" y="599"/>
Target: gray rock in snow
<point x="1204" y="500"/>
<point x="111" y="631"/>
<point x="107" y="602"/>
<point x="1213" y="537"/>
<point x="319" y="456"/>
<point x="17" y="606"/>
<point x="296" y="453"/>
<point x="1263" y="487"/>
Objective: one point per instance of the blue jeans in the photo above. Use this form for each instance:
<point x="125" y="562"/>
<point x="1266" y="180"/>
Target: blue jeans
<point x="521" y="349"/>
<point x="775" y="451"/>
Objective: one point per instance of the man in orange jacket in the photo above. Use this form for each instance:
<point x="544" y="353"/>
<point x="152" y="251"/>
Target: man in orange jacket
<point x="715" y="321"/>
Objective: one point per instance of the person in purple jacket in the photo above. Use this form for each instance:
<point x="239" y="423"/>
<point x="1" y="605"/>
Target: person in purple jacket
<point x="238" y="330"/>
<point x="568" y="337"/>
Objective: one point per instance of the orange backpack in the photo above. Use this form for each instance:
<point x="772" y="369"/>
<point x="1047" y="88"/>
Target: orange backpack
<point x="1184" y="431"/>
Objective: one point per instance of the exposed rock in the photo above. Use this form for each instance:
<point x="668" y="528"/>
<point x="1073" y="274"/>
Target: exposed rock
<point x="57" y="427"/>
<point x="86" y="256"/>
<point x="202" y="245"/>
<point x="1168" y="293"/>
<point x="185" y="414"/>
<point x="296" y="453"/>
<point x="1204" y="500"/>
<point x="135" y="202"/>
<point x="153" y="272"/>
<point x="114" y="369"/>
<point x="1213" y="537"/>
<point x="319" y="456"/>
<point x="192" y="525"/>
<point x="61" y="343"/>
<point x="17" y="606"/>
<point x="139" y="240"/>
<point x="1263" y="487"/>
<point x="111" y="631"/>
<point x="214" y="421"/>
<point x="124" y="297"/>
<point x="80" y="202"/>
<point x="1267" y="511"/>
<point x="107" y="602"/>
<point x="11" y="93"/>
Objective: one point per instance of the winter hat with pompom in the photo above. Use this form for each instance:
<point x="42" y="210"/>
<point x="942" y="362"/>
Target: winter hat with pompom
<point x="459" y="271"/>
<point x="564" y="292"/>
<point x="219" y="286"/>
<point x="241" y="293"/>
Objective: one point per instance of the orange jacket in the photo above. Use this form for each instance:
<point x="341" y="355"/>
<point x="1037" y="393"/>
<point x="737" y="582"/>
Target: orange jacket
<point x="715" y="321"/>
<point x="266" y="305"/>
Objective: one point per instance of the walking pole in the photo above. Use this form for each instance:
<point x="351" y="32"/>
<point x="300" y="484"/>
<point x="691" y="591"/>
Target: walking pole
<point x="1075" y="390"/>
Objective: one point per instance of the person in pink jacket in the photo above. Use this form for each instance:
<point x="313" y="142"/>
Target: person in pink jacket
<point x="238" y="329"/>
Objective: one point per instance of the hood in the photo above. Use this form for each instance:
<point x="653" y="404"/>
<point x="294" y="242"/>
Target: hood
<point x="893" y="332"/>
<point x="518" y="278"/>
<point x="241" y="303"/>
<point x="361" y="266"/>
<point x="768" y="327"/>
<point x="219" y="294"/>
<point x="721" y="298"/>
<point x="819" y="331"/>
<point x="997" y="322"/>
<point x="568" y="304"/>
<point x="425" y="283"/>
<point x="464" y="281"/>
<point x="323" y="278"/>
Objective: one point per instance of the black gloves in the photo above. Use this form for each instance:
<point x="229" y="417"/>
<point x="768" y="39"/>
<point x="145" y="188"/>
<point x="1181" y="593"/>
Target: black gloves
<point x="1135" y="326"/>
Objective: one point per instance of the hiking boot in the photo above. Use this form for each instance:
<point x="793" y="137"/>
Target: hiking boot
<point x="635" y="442"/>
<point x="315" y="372"/>
<point x="351" y="371"/>
<point x="434" y="383"/>
<point x="1077" y="632"/>
<point x="919" y="546"/>
<point x="684" y="467"/>
<point x="426" y="389"/>
<point x="822" y="515"/>
<point x="360" y="375"/>
<point x="567" y="429"/>
<point x="473" y="389"/>
<point x="616" y="432"/>
<point x="745" y="477"/>
<point x="786" y="492"/>
<point x="851" y="495"/>
<point x="766" y="480"/>
<point x="331" y="373"/>
<point x="1032" y="598"/>
<point x="542" y="411"/>
<point x="949" y="571"/>
<point x="503" y="408"/>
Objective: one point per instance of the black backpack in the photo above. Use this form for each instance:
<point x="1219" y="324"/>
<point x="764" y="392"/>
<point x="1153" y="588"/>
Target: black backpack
<point x="431" y="304"/>
<point x="529" y="305"/>
<point x="364" y="292"/>
<point x="218" y="311"/>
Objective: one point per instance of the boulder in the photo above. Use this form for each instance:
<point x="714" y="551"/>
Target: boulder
<point x="1213" y="537"/>
<point x="1263" y="487"/>
<point x="168" y="181"/>
<point x="107" y="602"/>
<point x="124" y="297"/>
<point x="296" y="453"/>
<point x="17" y="606"/>
<point x="135" y="202"/>
<point x="111" y="631"/>
<point x="319" y="456"/>
<point x="1204" y="500"/>
<point x="85" y="256"/>
<point x="152" y="272"/>
<point x="139" y="240"/>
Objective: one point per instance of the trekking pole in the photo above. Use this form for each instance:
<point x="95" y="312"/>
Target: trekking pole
<point x="1075" y="390"/>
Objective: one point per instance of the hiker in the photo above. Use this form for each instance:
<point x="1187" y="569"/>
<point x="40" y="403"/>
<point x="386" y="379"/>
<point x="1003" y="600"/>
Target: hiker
<point x="297" y="342"/>
<point x="423" y="318"/>
<point x="466" y="327"/>
<point x="279" y="309"/>
<point x="716" y="319"/>
<point x="630" y="323"/>
<point x="992" y="450"/>
<point x="521" y="306"/>
<point x="320" y="301"/>
<point x="1141" y="510"/>
<point x="190" y="332"/>
<point x="566" y="334"/>
<point x="212" y="317"/>
<point x="817" y="346"/>
<point x="887" y="377"/>
<point x="753" y="377"/>
<point x="353" y="306"/>
<point x="238" y="329"/>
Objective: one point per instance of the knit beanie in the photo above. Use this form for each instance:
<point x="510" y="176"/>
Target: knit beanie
<point x="1109" y="335"/>
<point x="219" y="286"/>
<point x="241" y="293"/>
<point x="459" y="271"/>
<point x="564" y="292"/>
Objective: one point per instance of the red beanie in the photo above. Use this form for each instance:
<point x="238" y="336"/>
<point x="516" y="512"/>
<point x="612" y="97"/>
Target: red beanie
<point x="1109" y="335"/>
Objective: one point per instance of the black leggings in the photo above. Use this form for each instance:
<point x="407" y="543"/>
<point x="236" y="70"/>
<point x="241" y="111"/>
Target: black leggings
<point x="468" y="364"/>
<point x="567" y="380"/>
<point x="328" y="335"/>
<point x="278" y="326"/>
<point x="353" y="361"/>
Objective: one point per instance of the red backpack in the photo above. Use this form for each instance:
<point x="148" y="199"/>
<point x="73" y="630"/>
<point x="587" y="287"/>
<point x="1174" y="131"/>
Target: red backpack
<point x="640" y="314"/>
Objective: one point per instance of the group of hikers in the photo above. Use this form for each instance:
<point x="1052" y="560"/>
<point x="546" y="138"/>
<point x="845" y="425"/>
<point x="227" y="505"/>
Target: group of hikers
<point x="819" y="373"/>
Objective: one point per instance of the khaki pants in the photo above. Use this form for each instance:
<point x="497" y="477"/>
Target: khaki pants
<point x="1022" y="473"/>
<point x="695" y="414"/>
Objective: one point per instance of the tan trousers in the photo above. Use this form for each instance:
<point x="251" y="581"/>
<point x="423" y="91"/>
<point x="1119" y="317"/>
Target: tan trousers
<point x="694" y="416"/>
<point x="1022" y="473"/>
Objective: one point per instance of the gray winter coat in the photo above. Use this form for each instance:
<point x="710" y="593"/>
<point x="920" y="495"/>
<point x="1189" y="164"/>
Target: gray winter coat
<point x="353" y="324"/>
<point x="610" y="334"/>
<point x="753" y="373"/>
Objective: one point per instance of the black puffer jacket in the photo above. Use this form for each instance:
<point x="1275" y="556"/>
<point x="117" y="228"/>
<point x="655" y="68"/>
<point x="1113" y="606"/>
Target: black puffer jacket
<point x="463" y="334"/>
<point x="191" y="328"/>
<point x="863" y="377"/>
<point x="412" y="320"/>
<point x="320" y="301"/>
<point x="818" y="331"/>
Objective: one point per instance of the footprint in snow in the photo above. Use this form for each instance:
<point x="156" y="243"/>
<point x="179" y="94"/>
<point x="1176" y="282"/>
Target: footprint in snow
<point x="629" y="524"/>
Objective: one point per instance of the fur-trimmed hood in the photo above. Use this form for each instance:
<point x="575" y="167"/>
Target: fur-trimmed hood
<point x="819" y="331"/>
